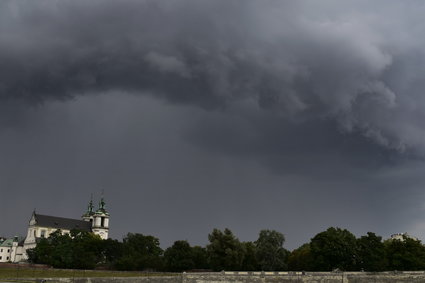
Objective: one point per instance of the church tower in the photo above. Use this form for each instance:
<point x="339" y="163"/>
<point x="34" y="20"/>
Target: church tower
<point x="88" y="216"/>
<point x="100" y="223"/>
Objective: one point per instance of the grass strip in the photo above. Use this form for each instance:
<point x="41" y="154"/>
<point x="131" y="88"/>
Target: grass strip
<point x="22" y="272"/>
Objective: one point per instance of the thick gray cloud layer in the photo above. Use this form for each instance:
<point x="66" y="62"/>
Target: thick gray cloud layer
<point x="356" y="63"/>
<point x="322" y="96"/>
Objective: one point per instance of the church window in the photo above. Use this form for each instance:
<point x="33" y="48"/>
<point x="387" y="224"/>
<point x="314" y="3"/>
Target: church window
<point x="43" y="233"/>
<point x="103" y="222"/>
<point x="7" y="258"/>
<point x="1" y="257"/>
<point x="8" y="250"/>
<point x="35" y="233"/>
<point x="1" y="250"/>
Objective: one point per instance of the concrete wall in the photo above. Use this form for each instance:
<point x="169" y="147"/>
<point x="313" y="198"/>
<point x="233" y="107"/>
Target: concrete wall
<point x="262" y="277"/>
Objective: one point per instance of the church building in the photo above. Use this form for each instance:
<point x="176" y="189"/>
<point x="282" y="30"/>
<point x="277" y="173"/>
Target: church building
<point x="11" y="250"/>
<point x="41" y="226"/>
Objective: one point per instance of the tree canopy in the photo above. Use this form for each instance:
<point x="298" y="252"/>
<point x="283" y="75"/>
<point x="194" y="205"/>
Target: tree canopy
<point x="334" y="248"/>
<point x="225" y="251"/>
<point x="79" y="249"/>
<point x="140" y="252"/>
<point x="270" y="252"/>
<point x="371" y="253"/>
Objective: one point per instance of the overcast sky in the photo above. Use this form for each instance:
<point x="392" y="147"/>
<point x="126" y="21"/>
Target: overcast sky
<point x="198" y="114"/>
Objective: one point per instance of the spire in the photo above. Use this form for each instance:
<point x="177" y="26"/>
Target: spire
<point x="102" y="204"/>
<point x="90" y="208"/>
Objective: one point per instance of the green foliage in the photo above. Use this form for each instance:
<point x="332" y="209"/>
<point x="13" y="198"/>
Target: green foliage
<point x="224" y="251"/>
<point x="79" y="250"/>
<point x="140" y="252"/>
<point x="406" y="254"/>
<point x="371" y="253"/>
<point x="328" y="250"/>
<point x="270" y="253"/>
<point x="112" y="251"/>
<point x="301" y="259"/>
<point x="337" y="248"/>
<point x="41" y="253"/>
<point x="87" y="250"/>
<point x="249" y="262"/>
<point x="179" y="257"/>
<point x="334" y="248"/>
<point x="200" y="258"/>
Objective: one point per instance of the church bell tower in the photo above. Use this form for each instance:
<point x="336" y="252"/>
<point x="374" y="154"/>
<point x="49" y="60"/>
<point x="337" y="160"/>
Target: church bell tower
<point x="100" y="223"/>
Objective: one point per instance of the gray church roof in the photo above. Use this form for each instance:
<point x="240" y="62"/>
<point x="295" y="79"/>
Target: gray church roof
<point x="62" y="223"/>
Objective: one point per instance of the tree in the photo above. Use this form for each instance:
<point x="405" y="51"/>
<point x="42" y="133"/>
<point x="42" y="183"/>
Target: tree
<point x="405" y="254"/>
<point x="200" y="257"/>
<point x="179" y="257"/>
<point x="334" y="248"/>
<point x="87" y="250"/>
<point x="112" y="251"/>
<point x="140" y="253"/>
<point x="224" y="251"/>
<point x="371" y="253"/>
<point x="270" y="252"/>
<point x="249" y="262"/>
<point x="58" y="250"/>
<point x="78" y="249"/>
<point x="301" y="259"/>
<point x="41" y="253"/>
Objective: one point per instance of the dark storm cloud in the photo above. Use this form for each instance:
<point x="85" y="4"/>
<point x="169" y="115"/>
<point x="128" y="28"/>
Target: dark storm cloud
<point x="357" y="64"/>
<point x="288" y="146"/>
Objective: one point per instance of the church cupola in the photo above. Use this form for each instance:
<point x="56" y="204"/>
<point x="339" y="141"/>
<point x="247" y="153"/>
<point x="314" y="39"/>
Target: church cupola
<point x="88" y="216"/>
<point x="101" y="209"/>
<point x="101" y="220"/>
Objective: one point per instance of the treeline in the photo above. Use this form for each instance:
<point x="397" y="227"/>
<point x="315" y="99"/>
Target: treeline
<point x="332" y="249"/>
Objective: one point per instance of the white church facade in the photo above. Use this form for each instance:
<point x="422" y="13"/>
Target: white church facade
<point x="11" y="250"/>
<point x="41" y="226"/>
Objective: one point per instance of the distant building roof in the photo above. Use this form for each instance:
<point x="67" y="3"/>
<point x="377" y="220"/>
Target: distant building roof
<point x="7" y="243"/>
<point x="62" y="223"/>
